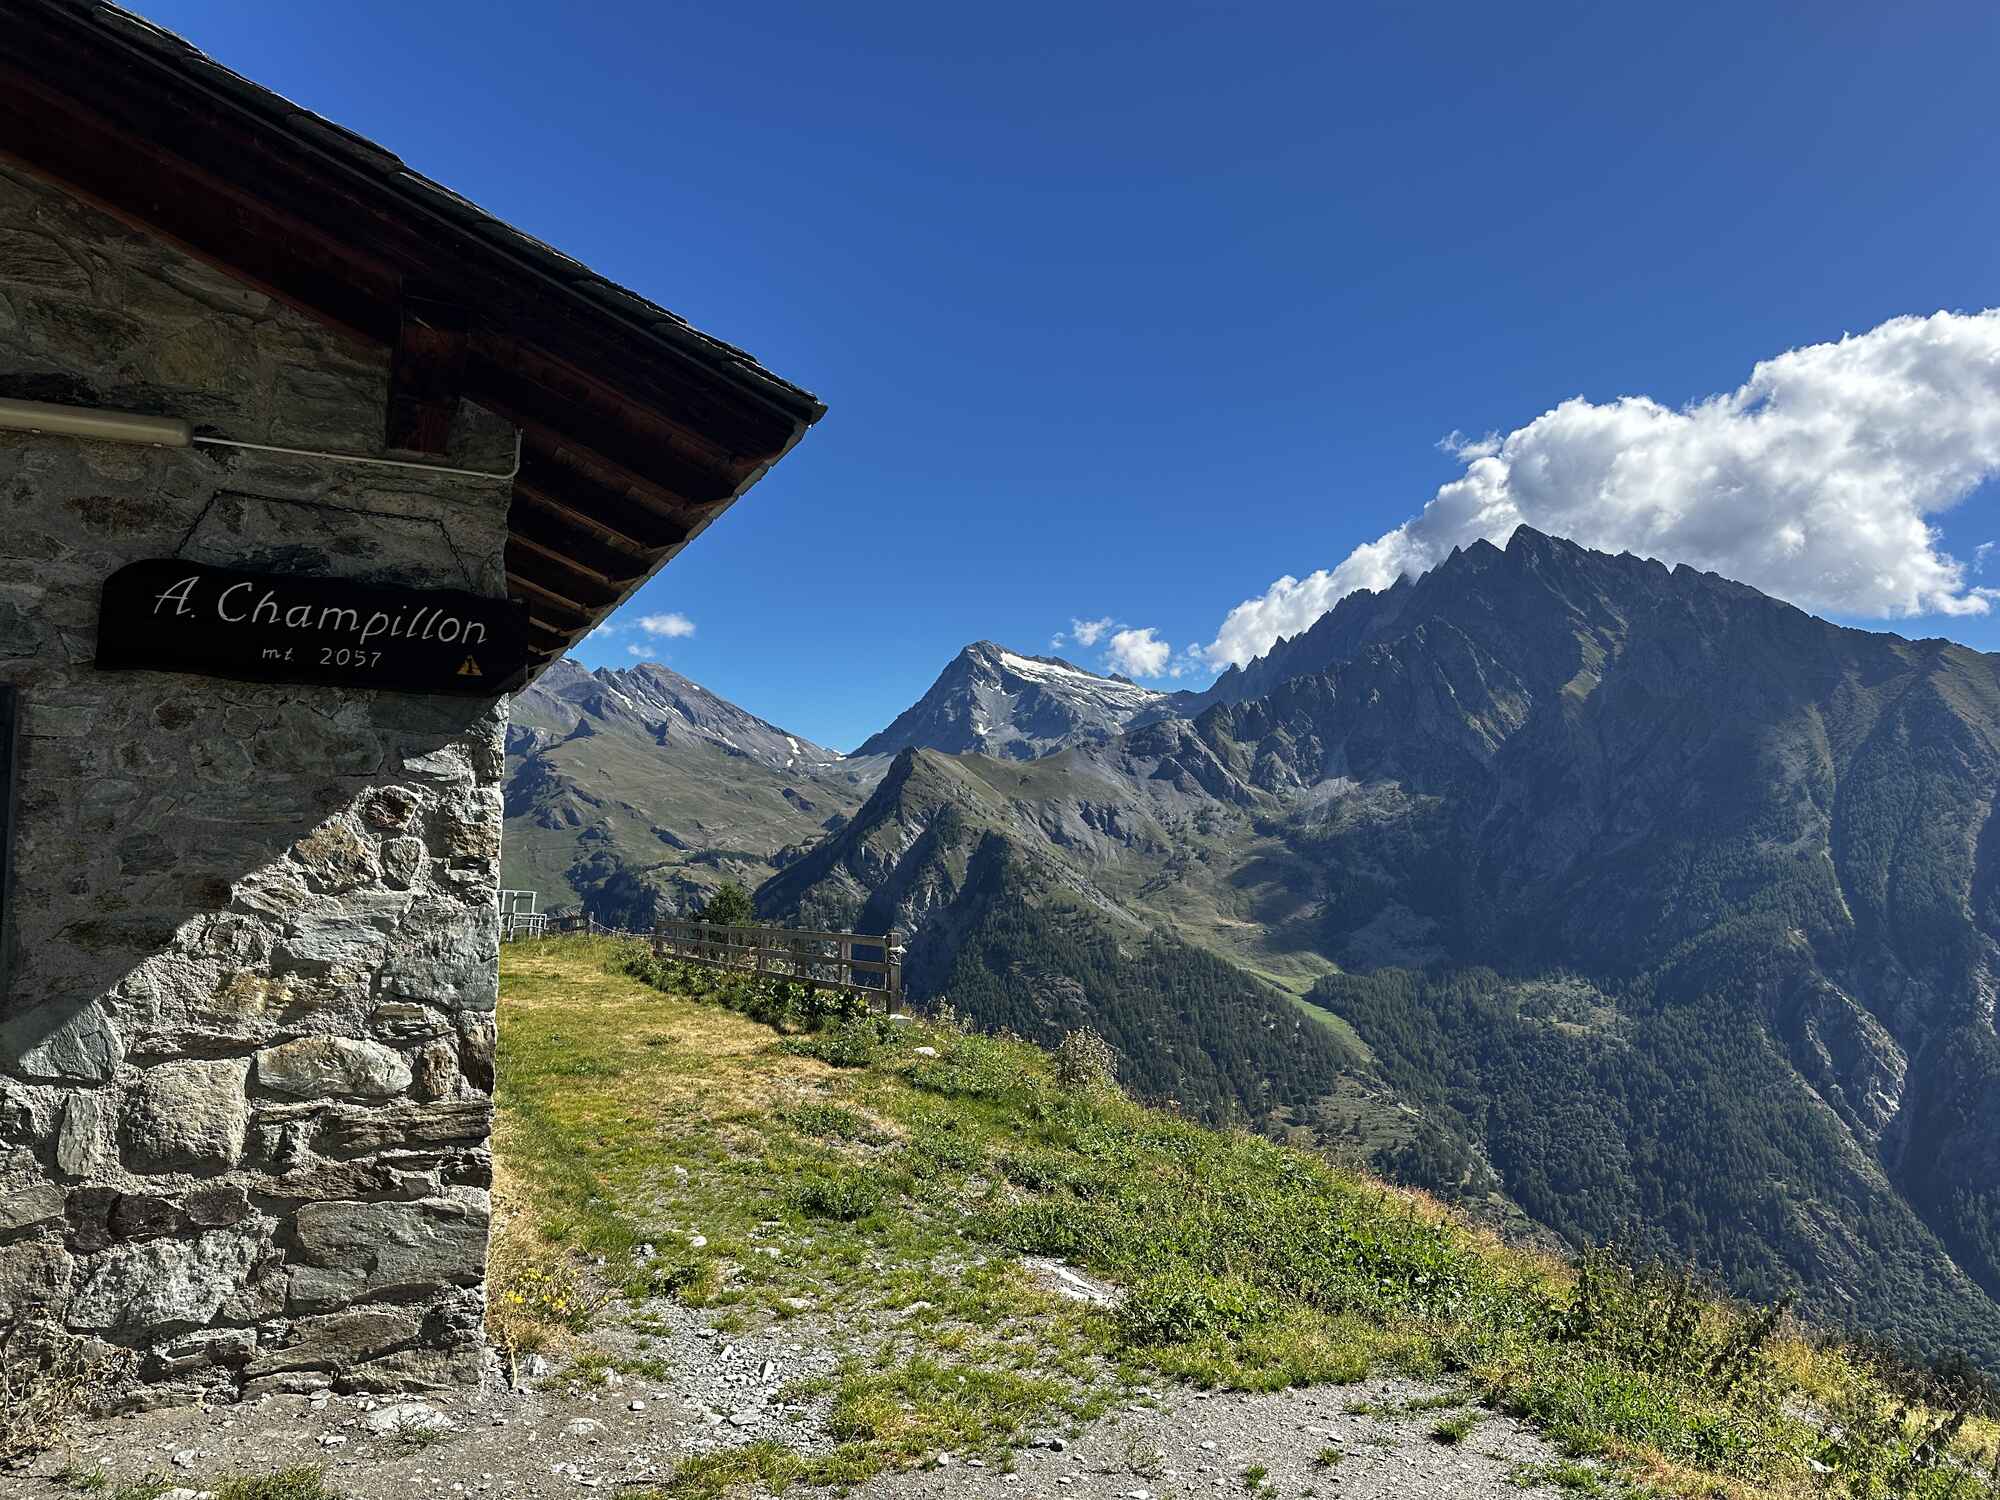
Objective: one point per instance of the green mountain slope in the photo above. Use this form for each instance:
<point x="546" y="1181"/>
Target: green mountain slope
<point x="1012" y="927"/>
<point x="635" y="789"/>
<point x="1734" y="871"/>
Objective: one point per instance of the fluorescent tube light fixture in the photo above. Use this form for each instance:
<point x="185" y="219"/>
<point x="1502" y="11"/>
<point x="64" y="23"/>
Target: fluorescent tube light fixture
<point x="88" y="422"/>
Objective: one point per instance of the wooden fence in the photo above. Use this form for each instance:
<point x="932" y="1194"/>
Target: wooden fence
<point x="864" y="964"/>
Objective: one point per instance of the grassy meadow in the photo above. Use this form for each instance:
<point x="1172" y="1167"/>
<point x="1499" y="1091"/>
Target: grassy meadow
<point x="787" y="1161"/>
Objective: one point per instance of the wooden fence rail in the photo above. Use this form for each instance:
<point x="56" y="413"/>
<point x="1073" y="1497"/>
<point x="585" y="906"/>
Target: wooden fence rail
<point x="858" y="962"/>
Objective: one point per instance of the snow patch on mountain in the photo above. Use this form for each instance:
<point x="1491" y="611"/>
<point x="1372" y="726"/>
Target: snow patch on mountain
<point x="997" y="702"/>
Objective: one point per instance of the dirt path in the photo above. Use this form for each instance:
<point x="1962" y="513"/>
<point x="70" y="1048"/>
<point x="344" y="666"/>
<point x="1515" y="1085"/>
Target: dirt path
<point x="567" y="1438"/>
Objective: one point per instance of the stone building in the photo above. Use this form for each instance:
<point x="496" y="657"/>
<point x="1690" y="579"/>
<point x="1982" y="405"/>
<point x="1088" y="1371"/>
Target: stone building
<point x="247" y="1030"/>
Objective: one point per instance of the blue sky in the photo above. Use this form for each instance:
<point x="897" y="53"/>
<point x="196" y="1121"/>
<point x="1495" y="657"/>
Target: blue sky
<point x="1127" y="311"/>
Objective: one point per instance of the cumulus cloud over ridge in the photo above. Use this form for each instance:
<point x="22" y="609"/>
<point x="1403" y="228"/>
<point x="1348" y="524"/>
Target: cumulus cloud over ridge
<point x="1139" y="653"/>
<point x="1814" y="480"/>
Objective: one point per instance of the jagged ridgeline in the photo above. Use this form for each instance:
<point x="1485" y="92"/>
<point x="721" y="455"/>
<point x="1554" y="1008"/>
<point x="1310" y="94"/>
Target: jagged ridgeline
<point x="636" y="789"/>
<point x="1619" y="894"/>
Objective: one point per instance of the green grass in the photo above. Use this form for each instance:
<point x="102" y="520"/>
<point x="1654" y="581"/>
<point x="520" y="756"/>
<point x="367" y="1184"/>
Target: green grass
<point x="1455" y="1429"/>
<point x="305" y="1482"/>
<point x="1570" y="1477"/>
<point x="895" y="1191"/>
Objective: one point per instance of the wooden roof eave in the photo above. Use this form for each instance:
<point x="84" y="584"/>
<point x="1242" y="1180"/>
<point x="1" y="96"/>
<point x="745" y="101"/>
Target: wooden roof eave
<point x="630" y="448"/>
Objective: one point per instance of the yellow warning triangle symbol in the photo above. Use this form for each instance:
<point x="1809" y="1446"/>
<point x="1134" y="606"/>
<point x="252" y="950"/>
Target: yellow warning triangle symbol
<point x="470" y="668"/>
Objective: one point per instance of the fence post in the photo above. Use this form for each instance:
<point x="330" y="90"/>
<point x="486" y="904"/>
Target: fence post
<point x="892" y="977"/>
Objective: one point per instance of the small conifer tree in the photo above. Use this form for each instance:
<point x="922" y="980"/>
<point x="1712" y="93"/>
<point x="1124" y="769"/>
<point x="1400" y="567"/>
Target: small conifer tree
<point x="728" y="905"/>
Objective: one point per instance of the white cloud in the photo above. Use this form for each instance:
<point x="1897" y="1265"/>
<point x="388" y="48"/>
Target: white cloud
<point x="672" y="624"/>
<point x="638" y="648"/>
<point x="1979" y="556"/>
<point x="1090" y="632"/>
<point x="1814" y="480"/>
<point x="1138" y="653"/>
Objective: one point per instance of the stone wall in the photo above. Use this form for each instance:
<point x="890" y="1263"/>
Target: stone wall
<point x="246" y="1042"/>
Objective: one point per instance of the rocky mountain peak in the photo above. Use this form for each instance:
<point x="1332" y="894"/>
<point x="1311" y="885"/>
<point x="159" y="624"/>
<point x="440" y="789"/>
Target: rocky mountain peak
<point x="993" y="701"/>
<point x="653" y="699"/>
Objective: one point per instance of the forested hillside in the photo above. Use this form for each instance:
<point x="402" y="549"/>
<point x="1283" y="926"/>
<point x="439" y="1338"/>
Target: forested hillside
<point x="1733" y="871"/>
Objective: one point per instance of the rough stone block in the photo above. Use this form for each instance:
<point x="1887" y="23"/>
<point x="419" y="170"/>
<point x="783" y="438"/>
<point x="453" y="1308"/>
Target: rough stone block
<point x="447" y="764"/>
<point x="226" y="1347"/>
<point x="320" y="1067"/>
<point x="348" y="1179"/>
<point x="31" y="1205"/>
<point x="187" y="1114"/>
<point x="63" y="1043"/>
<point x="80" y="1141"/>
<point x="388" y="809"/>
<point x="352" y="1250"/>
<point x="34" y="1280"/>
<point x="478" y="1037"/>
<point x="434" y="1070"/>
<point x="162" y="1284"/>
<point x="406" y="1021"/>
<point x="145" y="1216"/>
<point x="350" y="935"/>
<point x="350" y="1131"/>
<point x="403" y="862"/>
<point x="416" y="1369"/>
<point x="217" y="1205"/>
<point x="337" y="857"/>
<point x="89" y="1218"/>
<point x="336" y="1342"/>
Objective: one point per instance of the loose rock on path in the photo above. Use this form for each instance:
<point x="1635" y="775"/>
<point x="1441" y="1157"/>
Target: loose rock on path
<point x="561" y="1438"/>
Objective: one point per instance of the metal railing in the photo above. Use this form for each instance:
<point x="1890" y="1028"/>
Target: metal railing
<point x="539" y="924"/>
<point x="863" y="963"/>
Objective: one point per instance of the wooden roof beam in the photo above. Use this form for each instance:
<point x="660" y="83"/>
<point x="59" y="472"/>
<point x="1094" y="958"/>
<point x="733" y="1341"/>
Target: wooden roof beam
<point x="563" y="576"/>
<point x="553" y="528"/>
<point x="426" y="376"/>
<point x="620" y="507"/>
<point x="641" y="444"/>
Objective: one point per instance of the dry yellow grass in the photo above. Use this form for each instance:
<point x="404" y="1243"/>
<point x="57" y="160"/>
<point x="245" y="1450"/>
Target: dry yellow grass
<point x="633" y="1116"/>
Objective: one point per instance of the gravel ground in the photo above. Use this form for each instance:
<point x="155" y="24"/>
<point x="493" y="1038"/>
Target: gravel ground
<point x="1190" y="1444"/>
<point x="550" y="1438"/>
<point x="557" y="1438"/>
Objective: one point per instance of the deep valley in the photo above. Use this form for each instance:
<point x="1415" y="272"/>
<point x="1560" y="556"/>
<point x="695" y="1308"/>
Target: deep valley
<point x="1616" y="902"/>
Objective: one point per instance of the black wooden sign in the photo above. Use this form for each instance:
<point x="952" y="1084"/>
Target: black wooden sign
<point x="170" y="615"/>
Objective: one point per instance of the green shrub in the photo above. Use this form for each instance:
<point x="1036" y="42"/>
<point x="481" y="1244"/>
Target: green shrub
<point x="844" y="1193"/>
<point x="774" y="1000"/>
<point x="1179" y="1305"/>
<point x="942" y="1141"/>
<point x="1051" y="1226"/>
<point x="852" y="1044"/>
<point x="1663" y="1320"/>
<point x="828" y="1122"/>
<point x="970" y="1067"/>
<point x="683" y="1274"/>
<point x="1083" y="1060"/>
